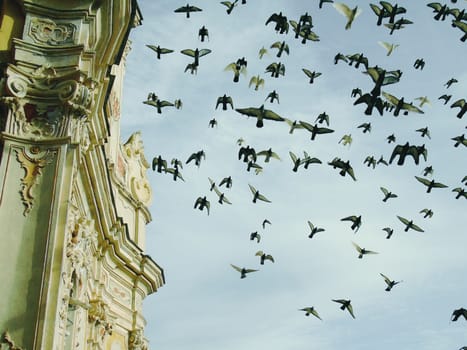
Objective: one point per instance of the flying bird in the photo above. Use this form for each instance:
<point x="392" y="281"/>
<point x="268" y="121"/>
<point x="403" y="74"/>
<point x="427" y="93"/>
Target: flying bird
<point x="263" y="51"/>
<point x="222" y="197"/>
<point x="224" y="101"/>
<point x="273" y="95"/>
<point x="314" y="229"/>
<point x="260" y="114"/>
<point x="196" y="54"/>
<point x="424" y="132"/>
<point x="406" y="149"/>
<point x="389" y="283"/>
<point x="201" y="203"/>
<point x="362" y="251"/>
<point x="203" y="33"/>
<point x="387" y="194"/>
<point x="458" y="313"/>
<point x="265" y="221"/>
<point x="365" y="126"/>
<point x="311" y="75"/>
<point x="345" y="167"/>
<point x="356" y="222"/>
<point x="281" y="23"/>
<point x="460" y="140"/>
<point x="400" y="104"/>
<point x="159" y="50"/>
<point x="409" y="224"/>
<point x="450" y="82"/>
<point x="430" y="184"/>
<point x="281" y="47"/>
<point x="268" y="154"/>
<point x="460" y="192"/>
<point x="388" y="46"/>
<point x="243" y="271"/>
<point x="257" y="195"/>
<point x="264" y="257"/>
<point x="349" y="13"/>
<point x="187" y="9"/>
<point x="230" y="5"/>
<point x="227" y="181"/>
<point x="346" y="139"/>
<point x="389" y="232"/>
<point x="257" y="81"/>
<point x="196" y="157"/>
<point x="428" y="213"/>
<point x="345" y="305"/>
<point x="310" y="311"/>
<point x="255" y="235"/>
<point x="159" y="104"/>
<point x="462" y="104"/>
<point x="315" y="129"/>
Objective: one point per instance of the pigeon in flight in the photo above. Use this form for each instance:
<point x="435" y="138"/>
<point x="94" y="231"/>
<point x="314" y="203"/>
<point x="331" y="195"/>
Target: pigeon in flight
<point x="260" y="114"/>
<point x="362" y="251"/>
<point x="430" y="184"/>
<point x="201" y="203"/>
<point x="356" y="222"/>
<point x="409" y="224"/>
<point x="187" y="9"/>
<point x="349" y="13"/>
<point x="345" y="305"/>
<point x="264" y="256"/>
<point x="243" y="271"/>
<point x="159" y="50"/>
<point x="257" y="195"/>
<point x="310" y="311"/>
<point x="390" y="283"/>
<point x="458" y="313"/>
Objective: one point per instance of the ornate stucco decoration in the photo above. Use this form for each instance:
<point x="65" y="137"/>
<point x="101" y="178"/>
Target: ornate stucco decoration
<point x="6" y="343"/>
<point x="133" y="151"/>
<point x="136" y="340"/>
<point x="32" y="160"/>
<point x="46" y="31"/>
<point x="52" y="104"/>
<point x="98" y="317"/>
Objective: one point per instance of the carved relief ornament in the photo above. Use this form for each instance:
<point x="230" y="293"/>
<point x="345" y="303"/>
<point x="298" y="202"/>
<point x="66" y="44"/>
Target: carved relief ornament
<point x="46" y="31"/>
<point x="136" y="340"/>
<point x="32" y="160"/>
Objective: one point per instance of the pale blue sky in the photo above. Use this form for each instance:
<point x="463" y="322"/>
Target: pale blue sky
<point x="204" y="304"/>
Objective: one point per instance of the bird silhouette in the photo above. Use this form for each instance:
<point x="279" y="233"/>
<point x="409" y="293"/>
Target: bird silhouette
<point x="389" y="283"/>
<point x="340" y="57"/>
<point x="311" y="75"/>
<point x="346" y="140"/>
<point x="296" y="161"/>
<point x="264" y="256"/>
<point x="159" y="104"/>
<point x="400" y="104"/>
<point x="442" y="11"/>
<point x="409" y="224"/>
<point x="460" y="192"/>
<point x="345" y="167"/>
<point x="314" y="229"/>
<point x="321" y="2"/>
<point x="388" y="46"/>
<point x="281" y="47"/>
<point x="203" y="33"/>
<point x="196" y="54"/>
<point x="213" y="122"/>
<point x="257" y="195"/>
<point x="430" y="184"/>
<point x="260" y="114"/>
<point x="419" y="63"/>
<point x="187" y="9"/>
<point x="362" y="251"/>
<point x="227" y="181"/>
<point x="196" y="157"/>
<point x="310" y="311"/>
<point x="445" y="98"/>
<point x="372" y="101"/>
<point x="265" y="221"/>
<point x="281" y="24"/>
<point x="315" y="129"/>
<point x="243" y="271"/>
<point x="399" y="24"/>
<point x="349" y="13"/>
<point x="356" y="222"/>
<point x="255" y="235"/>
<point x="387" y="194"/>
<point x="222" y="197"/>
<point x="159" y="164"/>
<point x="370" y="161"/>
<point x="423" y="100"/>
<point x="175" y="173"/>
<point x="201" y="203"/>
<point x="358" y="58"/>
<point x="268" y="154"/>
<point x="428" y="213"/>
<point x="458" y="313"/>
<point x="263" y="51"/>
<point x="424" y="132"/>
<point x="450" y="82"/>
<point x="365" y="126"/>
<point x="293" y="125"/>
<point x="230" y="5"/>
<point x="159" y="50"/>
<point x="428" y="171"/>
<point x="392" y="10"/>
<point x="247" y="153"/>
<point x="257" y="81"/>
<point x="463" y="27"/>
<point x="273" y="95"/>
<point x="462" y="104"/>
<point x="389" y="232"/>
<point x="380" y="12"/>
<point x="460" y="140"/>
<point x="346" y="304"/>
<point x="307" y="160"/>
<point x="237" y="69"/>
<point x="224" y="101"/>
<point x="276" y="69"/>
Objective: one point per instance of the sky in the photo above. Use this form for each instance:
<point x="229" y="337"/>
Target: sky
<point x="204" y="303"/>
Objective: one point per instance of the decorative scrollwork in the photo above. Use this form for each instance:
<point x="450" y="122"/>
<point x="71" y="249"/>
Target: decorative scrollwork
<point x="46" y="31"/>
<point x="32" y="161"/>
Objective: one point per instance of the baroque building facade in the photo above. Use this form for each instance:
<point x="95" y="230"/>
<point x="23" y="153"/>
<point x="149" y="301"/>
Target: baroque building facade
<point x="73" y="198"/>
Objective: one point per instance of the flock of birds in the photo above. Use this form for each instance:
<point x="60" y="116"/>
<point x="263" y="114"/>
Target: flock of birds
<point x="375" y="101"/>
